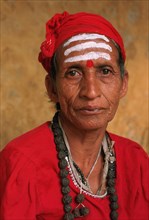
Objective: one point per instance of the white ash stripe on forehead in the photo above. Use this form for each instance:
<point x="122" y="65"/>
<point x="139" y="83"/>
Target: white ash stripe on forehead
<point x="85" y="37"/>
<point x="86" y="45"/>
<point x="88" y="56"/>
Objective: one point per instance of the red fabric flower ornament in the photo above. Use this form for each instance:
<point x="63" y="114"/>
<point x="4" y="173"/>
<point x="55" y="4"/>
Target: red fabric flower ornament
<point x="48" y="46"/>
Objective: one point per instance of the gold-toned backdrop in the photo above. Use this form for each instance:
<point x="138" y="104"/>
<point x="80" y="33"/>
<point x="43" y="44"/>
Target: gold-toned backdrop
<point x="24" y="104"/>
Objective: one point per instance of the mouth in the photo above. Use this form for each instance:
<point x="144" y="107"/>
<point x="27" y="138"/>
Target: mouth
<point x="91" y="110"/>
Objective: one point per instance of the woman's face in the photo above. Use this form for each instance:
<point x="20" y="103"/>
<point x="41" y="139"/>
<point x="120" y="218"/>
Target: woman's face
<point x="88" y="83"/>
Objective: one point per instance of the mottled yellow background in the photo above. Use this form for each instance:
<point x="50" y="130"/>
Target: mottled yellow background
<point x="24" y="104"/>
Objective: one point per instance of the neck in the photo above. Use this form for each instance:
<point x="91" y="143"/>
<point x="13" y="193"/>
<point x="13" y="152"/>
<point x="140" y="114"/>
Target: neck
<point x="85" y="143"/>
<point x="109" y="176"/>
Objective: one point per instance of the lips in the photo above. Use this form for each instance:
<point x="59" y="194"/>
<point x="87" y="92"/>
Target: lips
<point x="91" y="110"/>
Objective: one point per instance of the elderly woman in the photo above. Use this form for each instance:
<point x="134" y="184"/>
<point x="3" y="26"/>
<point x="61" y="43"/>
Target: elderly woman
<point x="73" y="167"/>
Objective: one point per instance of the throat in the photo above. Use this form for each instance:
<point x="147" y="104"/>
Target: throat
<point x="91" y="176"/>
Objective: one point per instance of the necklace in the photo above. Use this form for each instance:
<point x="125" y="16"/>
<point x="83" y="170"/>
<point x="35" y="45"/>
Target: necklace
<point x="83" y="179"/>
<point x="62" y="154"/>
<point x="94" y="164"/>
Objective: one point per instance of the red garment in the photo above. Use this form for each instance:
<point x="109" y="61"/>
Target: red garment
<point x="63" y="26"/>
<point x="30" y="185"/>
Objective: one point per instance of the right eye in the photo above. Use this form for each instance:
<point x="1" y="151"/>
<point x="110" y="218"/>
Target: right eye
<point x="73" y="74"/>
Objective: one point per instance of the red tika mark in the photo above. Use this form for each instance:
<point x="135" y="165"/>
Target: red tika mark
<point x="89" y="63"/>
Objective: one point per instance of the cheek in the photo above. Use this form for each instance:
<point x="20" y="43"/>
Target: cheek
<point x="112" y="94"/>
<point x="66" y="93"/>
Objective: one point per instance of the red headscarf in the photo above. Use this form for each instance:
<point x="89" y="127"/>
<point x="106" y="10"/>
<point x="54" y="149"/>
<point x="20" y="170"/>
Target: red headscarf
<point x="63" y="26"/>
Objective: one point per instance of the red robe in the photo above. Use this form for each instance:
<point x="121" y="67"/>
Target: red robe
<point x="30" y="185"/>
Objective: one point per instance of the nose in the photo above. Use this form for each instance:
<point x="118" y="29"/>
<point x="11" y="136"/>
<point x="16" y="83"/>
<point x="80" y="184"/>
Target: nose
<point x="90" y="87"/>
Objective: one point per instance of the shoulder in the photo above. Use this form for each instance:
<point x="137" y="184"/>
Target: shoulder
<point x="25" y="163"/>
<point x="132" y="165"/>
<point x="31" y="145"/>
<point x="122" y="140"/>
<point x="131" y="157"/>
<point x="126" y="145"/>
<point x="28" y="157"/>
<point x="132" y="170"/>
<point x="129" y="153"/>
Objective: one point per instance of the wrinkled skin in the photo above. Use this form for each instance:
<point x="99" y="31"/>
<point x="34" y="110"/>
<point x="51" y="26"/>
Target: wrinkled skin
<point x="88" y="94"/>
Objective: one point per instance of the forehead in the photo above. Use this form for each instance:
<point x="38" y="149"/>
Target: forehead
<point x="87" y="47"/>
<point x="85" y="37"/>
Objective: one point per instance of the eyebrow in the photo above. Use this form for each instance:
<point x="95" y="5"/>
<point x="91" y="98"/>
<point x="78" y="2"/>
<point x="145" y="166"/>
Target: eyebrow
<point x="75" y="66"/>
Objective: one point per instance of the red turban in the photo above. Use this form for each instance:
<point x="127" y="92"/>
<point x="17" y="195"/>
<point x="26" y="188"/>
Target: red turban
<point x="63" y="26"/>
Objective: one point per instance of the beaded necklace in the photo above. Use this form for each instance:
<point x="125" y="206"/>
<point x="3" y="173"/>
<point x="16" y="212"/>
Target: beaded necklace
<point x="76" y="173"/>
<point x="62" y="153"/>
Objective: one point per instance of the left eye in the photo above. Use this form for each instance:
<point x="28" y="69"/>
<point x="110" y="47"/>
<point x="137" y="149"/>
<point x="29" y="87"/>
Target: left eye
<point x="106" y="71"/>
<point x="72" y="73"/>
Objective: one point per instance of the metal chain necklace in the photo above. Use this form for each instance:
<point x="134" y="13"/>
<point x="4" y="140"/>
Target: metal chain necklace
<point x="80" y="210"/>
<point x="84" y="179"/>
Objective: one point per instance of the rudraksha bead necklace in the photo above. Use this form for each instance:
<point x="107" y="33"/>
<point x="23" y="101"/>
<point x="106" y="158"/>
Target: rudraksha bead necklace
<point x="62" y="153"/>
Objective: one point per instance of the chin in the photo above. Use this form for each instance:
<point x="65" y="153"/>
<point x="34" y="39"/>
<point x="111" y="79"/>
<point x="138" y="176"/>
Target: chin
<point x="91" y="125"/>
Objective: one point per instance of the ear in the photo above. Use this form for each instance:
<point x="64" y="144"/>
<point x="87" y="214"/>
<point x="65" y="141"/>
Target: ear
<point x="124" y="87"/>
<point x="51" y="88"/>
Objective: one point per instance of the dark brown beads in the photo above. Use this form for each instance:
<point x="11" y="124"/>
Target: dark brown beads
<point x="112" y="165"/>
<point x="61" y="154"/>
<point x="62" y="164"/>
<point x="79" y="198"/>
<point x="84" y="211"/>
<point x="80" y="212"/>
<point x="58" y="132"/>
<point x="65" y="189"/>
<point x="111" y="174"/>
<point x="111" y="190"/>
<point x="67" y="208"/>
<point x="114" y="205"/>
<point x="60" y="146"/>
<point x="114" y="215"/>
<point x="58" y="139"/>
<point x="67" y="199"/>
<point x="65" y="181"/>
<point x="76" y="212"/>
<point x="63" y="173"/>
<point x="68" y="216"/>
<point x="113" y="198"/>
<point x="111" y="182"/>
<point x="80" y="173"/>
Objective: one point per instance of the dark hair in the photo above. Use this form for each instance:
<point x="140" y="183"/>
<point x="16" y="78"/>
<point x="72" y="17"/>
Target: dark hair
<point x="120" y="60"/>
<point x="53" y="68"/>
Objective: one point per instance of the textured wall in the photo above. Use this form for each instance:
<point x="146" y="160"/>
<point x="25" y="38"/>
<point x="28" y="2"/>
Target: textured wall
<point x="24" y="103"/>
